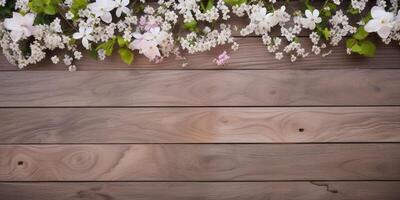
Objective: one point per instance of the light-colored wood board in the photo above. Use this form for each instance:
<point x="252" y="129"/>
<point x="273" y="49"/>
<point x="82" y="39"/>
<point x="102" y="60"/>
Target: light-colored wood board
<point x="199" y="125"/>
<point x="200" y="88"/>
<point x="202" y="190"/>
<point x="251" y="55"/>
<point x="200" y="162"/>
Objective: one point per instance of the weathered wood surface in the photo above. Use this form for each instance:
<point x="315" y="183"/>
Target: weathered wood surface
<point x="352" y="152"/>
<point x="206" y="162"/>
<point x="202" y="190"/>
<point x="199" y="125"/>
<point x="201" y="88"/>
<point x="251" y="55"/>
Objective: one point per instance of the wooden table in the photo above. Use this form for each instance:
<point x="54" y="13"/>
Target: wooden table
<point x="254" y="129"/>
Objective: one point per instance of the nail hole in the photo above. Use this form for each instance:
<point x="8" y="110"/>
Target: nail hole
<point x="20" y="162"/>
<point x="301" y="130"/>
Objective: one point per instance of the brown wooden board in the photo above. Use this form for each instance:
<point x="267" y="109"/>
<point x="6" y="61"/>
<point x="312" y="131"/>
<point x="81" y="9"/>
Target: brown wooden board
<point x="200" y="88"/>
<point x="199" y="125"/>
<point x="202" y="190"/>
<point x="205" y="162"/>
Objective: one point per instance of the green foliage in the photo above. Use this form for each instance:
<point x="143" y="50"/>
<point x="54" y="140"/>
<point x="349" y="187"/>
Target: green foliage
<point x="352" y="10"/>
<point x="362" y="47"/>
<point x="42" y="18"/>
<point x="308" y="5"/>
<point x="327" y="9"/>
<point x="6" y="10"/>
<point x="235" y="2"/>
<point x="126" y="55"/>
<point x="191" y="26"/>
<point x="360" y="44"/>
<point x="360" y="34"/>
<point x="48" y="7"/>
<point x="108" y="46"/>
<point x="206" y="5"/>
<point x="121" y="42"/>
<point x="78" y="5"/>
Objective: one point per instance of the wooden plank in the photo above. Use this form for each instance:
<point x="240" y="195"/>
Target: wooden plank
<point x="202" y="190"/>
<point x="251" y="55"/>
<point x="199" y="125"/>
<point x="200" y="88"/>
<point x="206" y="162"/>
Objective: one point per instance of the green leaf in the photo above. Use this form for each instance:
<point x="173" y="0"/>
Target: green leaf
<point x="352" y="10"/>
<point x="362" y="47"/>
<point x="191" y="26"/>
<point x="76" y="6"/>
<point x="235" y="2"/>
<point x="308" y="5"/>
<point x="108" y="46"/>
<point x="7" y="10"/>
<point x="205" y="6"/>
<point x="43" y="19"/>
<point x="48" y="7"/>
<point x="326" y="33"/>
<point x="126" y="55"/>
<point x="350" y="42"/>
<point x="121" y="41"/>
<point x="361" y="33"/>
<point x="367" y="48"/>
<point x="367" y="18"/>
<point x="50" y="10"/>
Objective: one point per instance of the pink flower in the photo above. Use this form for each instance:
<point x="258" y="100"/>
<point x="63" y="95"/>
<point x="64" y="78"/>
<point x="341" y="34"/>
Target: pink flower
<point x="222" y="58"/>
<point x="147" y="43"/>
<point x="146" y="25"/>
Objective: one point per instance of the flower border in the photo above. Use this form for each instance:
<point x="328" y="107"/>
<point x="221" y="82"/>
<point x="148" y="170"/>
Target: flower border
<point x="32" y="29"/>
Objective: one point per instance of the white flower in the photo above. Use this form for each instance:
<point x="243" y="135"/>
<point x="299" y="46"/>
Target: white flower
<point x="311" y="19"/>
<point x="102" y="8"/>
<point x="121" y="7"/>
<point x="84" y="33"/>
<point x="72" y="68"/>
<point x="147" y="43"/>
<point x="55" y="59"/>
<point x="69" y="15"/>
<point x="20" y="26"/>
<point x="381" y="22"/>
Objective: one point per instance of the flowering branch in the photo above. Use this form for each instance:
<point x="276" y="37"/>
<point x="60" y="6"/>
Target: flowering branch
<point x="171" y="27"/>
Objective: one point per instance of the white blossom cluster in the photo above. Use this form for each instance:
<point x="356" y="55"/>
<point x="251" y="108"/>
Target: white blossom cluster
<point x="158" y="30"/>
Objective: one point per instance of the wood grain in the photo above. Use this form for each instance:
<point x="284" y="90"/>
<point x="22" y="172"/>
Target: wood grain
<point x="200" y="88"/>
<point x="251" y="55"/>
<point x="206" y="162"/>
<point x="202" y="190"/>
<point x="199" y="125"/>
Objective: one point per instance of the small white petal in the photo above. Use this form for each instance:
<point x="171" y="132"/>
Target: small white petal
<point x="377" y="12"/>
<point x="77" y="35"/>
<point x="85" y="43"/>
<point x="107" y="18"/>
<point x="308" y="14"/>
<point x="16" y="35"/>
<point x="384" y="32"/>
<point x="315" y="13"/>
<point x="373" y="25"/>
<point x="118" y="12"/>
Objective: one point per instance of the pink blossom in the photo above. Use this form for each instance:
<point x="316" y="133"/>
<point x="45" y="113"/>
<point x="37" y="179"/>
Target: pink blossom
<point x="147" y="25"/>
<point x="222" y="58"/>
